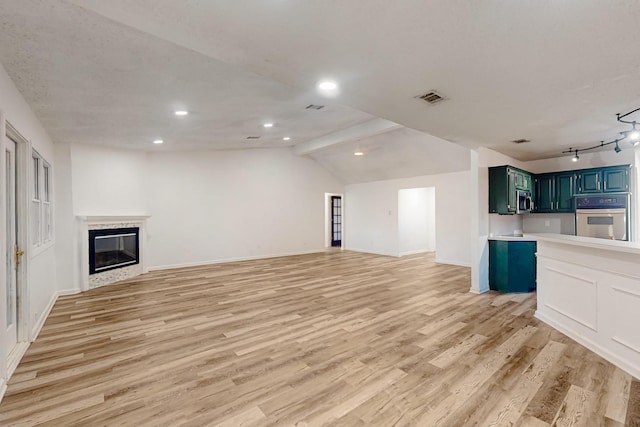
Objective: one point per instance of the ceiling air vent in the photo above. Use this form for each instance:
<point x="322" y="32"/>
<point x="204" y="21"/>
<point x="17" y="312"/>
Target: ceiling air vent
<point x="432" y="97"/>
<point x="520" y="141"/>
<point x="253" y="137"/>
<point x="314" y="107"/>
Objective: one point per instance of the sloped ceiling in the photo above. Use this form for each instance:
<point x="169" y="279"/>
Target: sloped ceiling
<point x="113" y="72"/>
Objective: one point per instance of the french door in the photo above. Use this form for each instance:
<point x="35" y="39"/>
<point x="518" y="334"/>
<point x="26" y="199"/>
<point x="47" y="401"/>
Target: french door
<point x="13" y="254"/>
<point x="336" y="221"/>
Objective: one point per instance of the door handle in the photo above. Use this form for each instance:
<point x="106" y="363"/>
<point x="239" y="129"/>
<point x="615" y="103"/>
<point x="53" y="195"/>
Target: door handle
<point x="18" y="254"/>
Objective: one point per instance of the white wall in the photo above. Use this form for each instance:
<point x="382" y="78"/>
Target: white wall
<point x="416" y="220"/>
<point x="372" y="209"/>
<point x="587" y="160"/>
<point x="108" y="181"/>
<point x="41" y="264"/>
<point x="225" y="205"/>
<point x="205" y="206"/>
<point x="93" y="180"/>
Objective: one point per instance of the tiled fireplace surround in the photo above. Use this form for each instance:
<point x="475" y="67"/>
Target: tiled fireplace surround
<point x="88" y="222"/>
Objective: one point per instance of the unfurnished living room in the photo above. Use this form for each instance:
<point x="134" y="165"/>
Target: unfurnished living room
<point x="319" y="213"/>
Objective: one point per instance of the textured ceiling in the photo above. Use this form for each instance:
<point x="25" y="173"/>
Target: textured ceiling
<point x="401" y="153"/>
<point x="112" y="72"/>
<point x="91" y="80"/>
<point x="554" y="72"/>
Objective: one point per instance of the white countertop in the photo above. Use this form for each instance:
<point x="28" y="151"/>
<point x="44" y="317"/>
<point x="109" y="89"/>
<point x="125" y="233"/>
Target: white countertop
<point x="507" y="237"/>
<point x="588" y="242"/>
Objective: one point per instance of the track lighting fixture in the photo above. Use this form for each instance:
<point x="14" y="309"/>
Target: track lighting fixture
<point x="632" y="135"/>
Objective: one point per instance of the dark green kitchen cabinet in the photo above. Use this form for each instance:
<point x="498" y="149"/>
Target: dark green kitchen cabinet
<point x="554" y="192"/>
<point x="565" y="186"/>
<point x="523" y="180"/>
<point x="504" y="183"/>
<point x="545" y="193"/>
<point x="613" y="179"/>
<point x="512" y="266"/>
<point x="589" y="181"/>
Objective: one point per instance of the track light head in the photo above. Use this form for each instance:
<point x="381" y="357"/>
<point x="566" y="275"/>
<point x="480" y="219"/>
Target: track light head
<point x="617" y="149"/>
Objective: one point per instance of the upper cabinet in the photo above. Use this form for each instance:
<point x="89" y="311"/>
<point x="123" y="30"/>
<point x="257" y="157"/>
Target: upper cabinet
<point x="614" y="179"/>
<point x="565" y="188"/>
<point x="552" y="192"/>
<point x="504" y="183"/>
<point x="545" y="193"/>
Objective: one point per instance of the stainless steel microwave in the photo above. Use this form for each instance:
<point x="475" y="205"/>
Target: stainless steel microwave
<point x="524" y="204"/>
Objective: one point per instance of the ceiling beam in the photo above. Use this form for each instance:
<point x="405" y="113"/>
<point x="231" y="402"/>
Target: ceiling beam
<point x="363" y="130"/>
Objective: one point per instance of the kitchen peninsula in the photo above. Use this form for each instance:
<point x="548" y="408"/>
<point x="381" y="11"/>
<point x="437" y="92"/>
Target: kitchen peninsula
<point x="589" y="289"/>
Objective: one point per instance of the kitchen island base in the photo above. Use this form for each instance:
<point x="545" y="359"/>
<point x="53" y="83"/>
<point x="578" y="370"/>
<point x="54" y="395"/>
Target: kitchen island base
<point x="589" y="289"/>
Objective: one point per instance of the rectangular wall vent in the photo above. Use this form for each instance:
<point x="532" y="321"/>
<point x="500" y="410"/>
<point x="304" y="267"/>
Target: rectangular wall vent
<point x="253" y="137"/>
<point x="314" y="107"/>
<point x="432" y="97"/>
<point x="520" y="141"/>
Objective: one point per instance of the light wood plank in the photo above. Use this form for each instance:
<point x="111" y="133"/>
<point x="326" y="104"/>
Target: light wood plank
<point x="337" y="338"/>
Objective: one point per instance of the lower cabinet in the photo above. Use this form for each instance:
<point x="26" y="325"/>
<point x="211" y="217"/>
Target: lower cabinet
<point x="512" y="265"/>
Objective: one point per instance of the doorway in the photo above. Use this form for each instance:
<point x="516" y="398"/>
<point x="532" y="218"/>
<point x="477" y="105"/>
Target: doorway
<point x="336" y="221"/>
<point x="333" y="220"/>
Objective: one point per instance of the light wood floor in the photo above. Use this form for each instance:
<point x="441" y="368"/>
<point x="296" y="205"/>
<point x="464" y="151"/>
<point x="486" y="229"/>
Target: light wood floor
<point x="340" y="338"/>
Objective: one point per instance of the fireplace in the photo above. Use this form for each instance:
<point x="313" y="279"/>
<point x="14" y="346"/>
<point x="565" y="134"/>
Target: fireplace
<point x="113" y="248"/>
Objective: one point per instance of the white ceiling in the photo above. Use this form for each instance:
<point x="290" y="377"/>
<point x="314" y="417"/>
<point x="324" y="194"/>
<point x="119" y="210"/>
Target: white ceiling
<point x="91" y="80"/>
<point x="400" y="153"/>
<point x="554" y="72"/>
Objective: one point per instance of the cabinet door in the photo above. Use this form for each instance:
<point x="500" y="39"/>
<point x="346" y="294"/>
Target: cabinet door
<point x="590" y="181"/>
<point x="564" y="192"/>
<point x="615" y="180"/>
<point x="545" y="193"/>
<point x="523" y="181"/>
<point x="527" y="183"/>
<point x="511" y="191"/>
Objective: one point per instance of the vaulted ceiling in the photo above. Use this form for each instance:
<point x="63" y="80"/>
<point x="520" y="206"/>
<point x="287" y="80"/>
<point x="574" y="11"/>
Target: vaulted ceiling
<point x="552" y="72"/>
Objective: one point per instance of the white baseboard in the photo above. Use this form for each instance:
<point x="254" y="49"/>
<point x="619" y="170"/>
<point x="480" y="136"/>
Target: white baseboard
<point x="35" y="331"/>
<point x="621" y="363"/>
<point x="43" y="318"/>
<point x="69" y="292"/>
<point x="419" y="251"/>
<point x="478" y="292"/>
<point x="367" y="251"/>
<point x="225" y="260"/>
<point x="15" y="357"/>
<point x="452" y="262"/>
<point x="3" y="388"/>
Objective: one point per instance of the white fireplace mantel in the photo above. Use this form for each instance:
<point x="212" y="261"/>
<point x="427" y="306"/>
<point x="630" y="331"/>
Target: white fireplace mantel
<point x="112" y="218"/>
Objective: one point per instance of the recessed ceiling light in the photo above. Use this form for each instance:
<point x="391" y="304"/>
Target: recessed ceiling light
<point x="327" y="85"/>
<point x="158" y="141"/>
<point x="181" y="112"/>
<point x="358" y="153"/>
<point x="286" y="138"/>
<point x="268" y="125"/>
